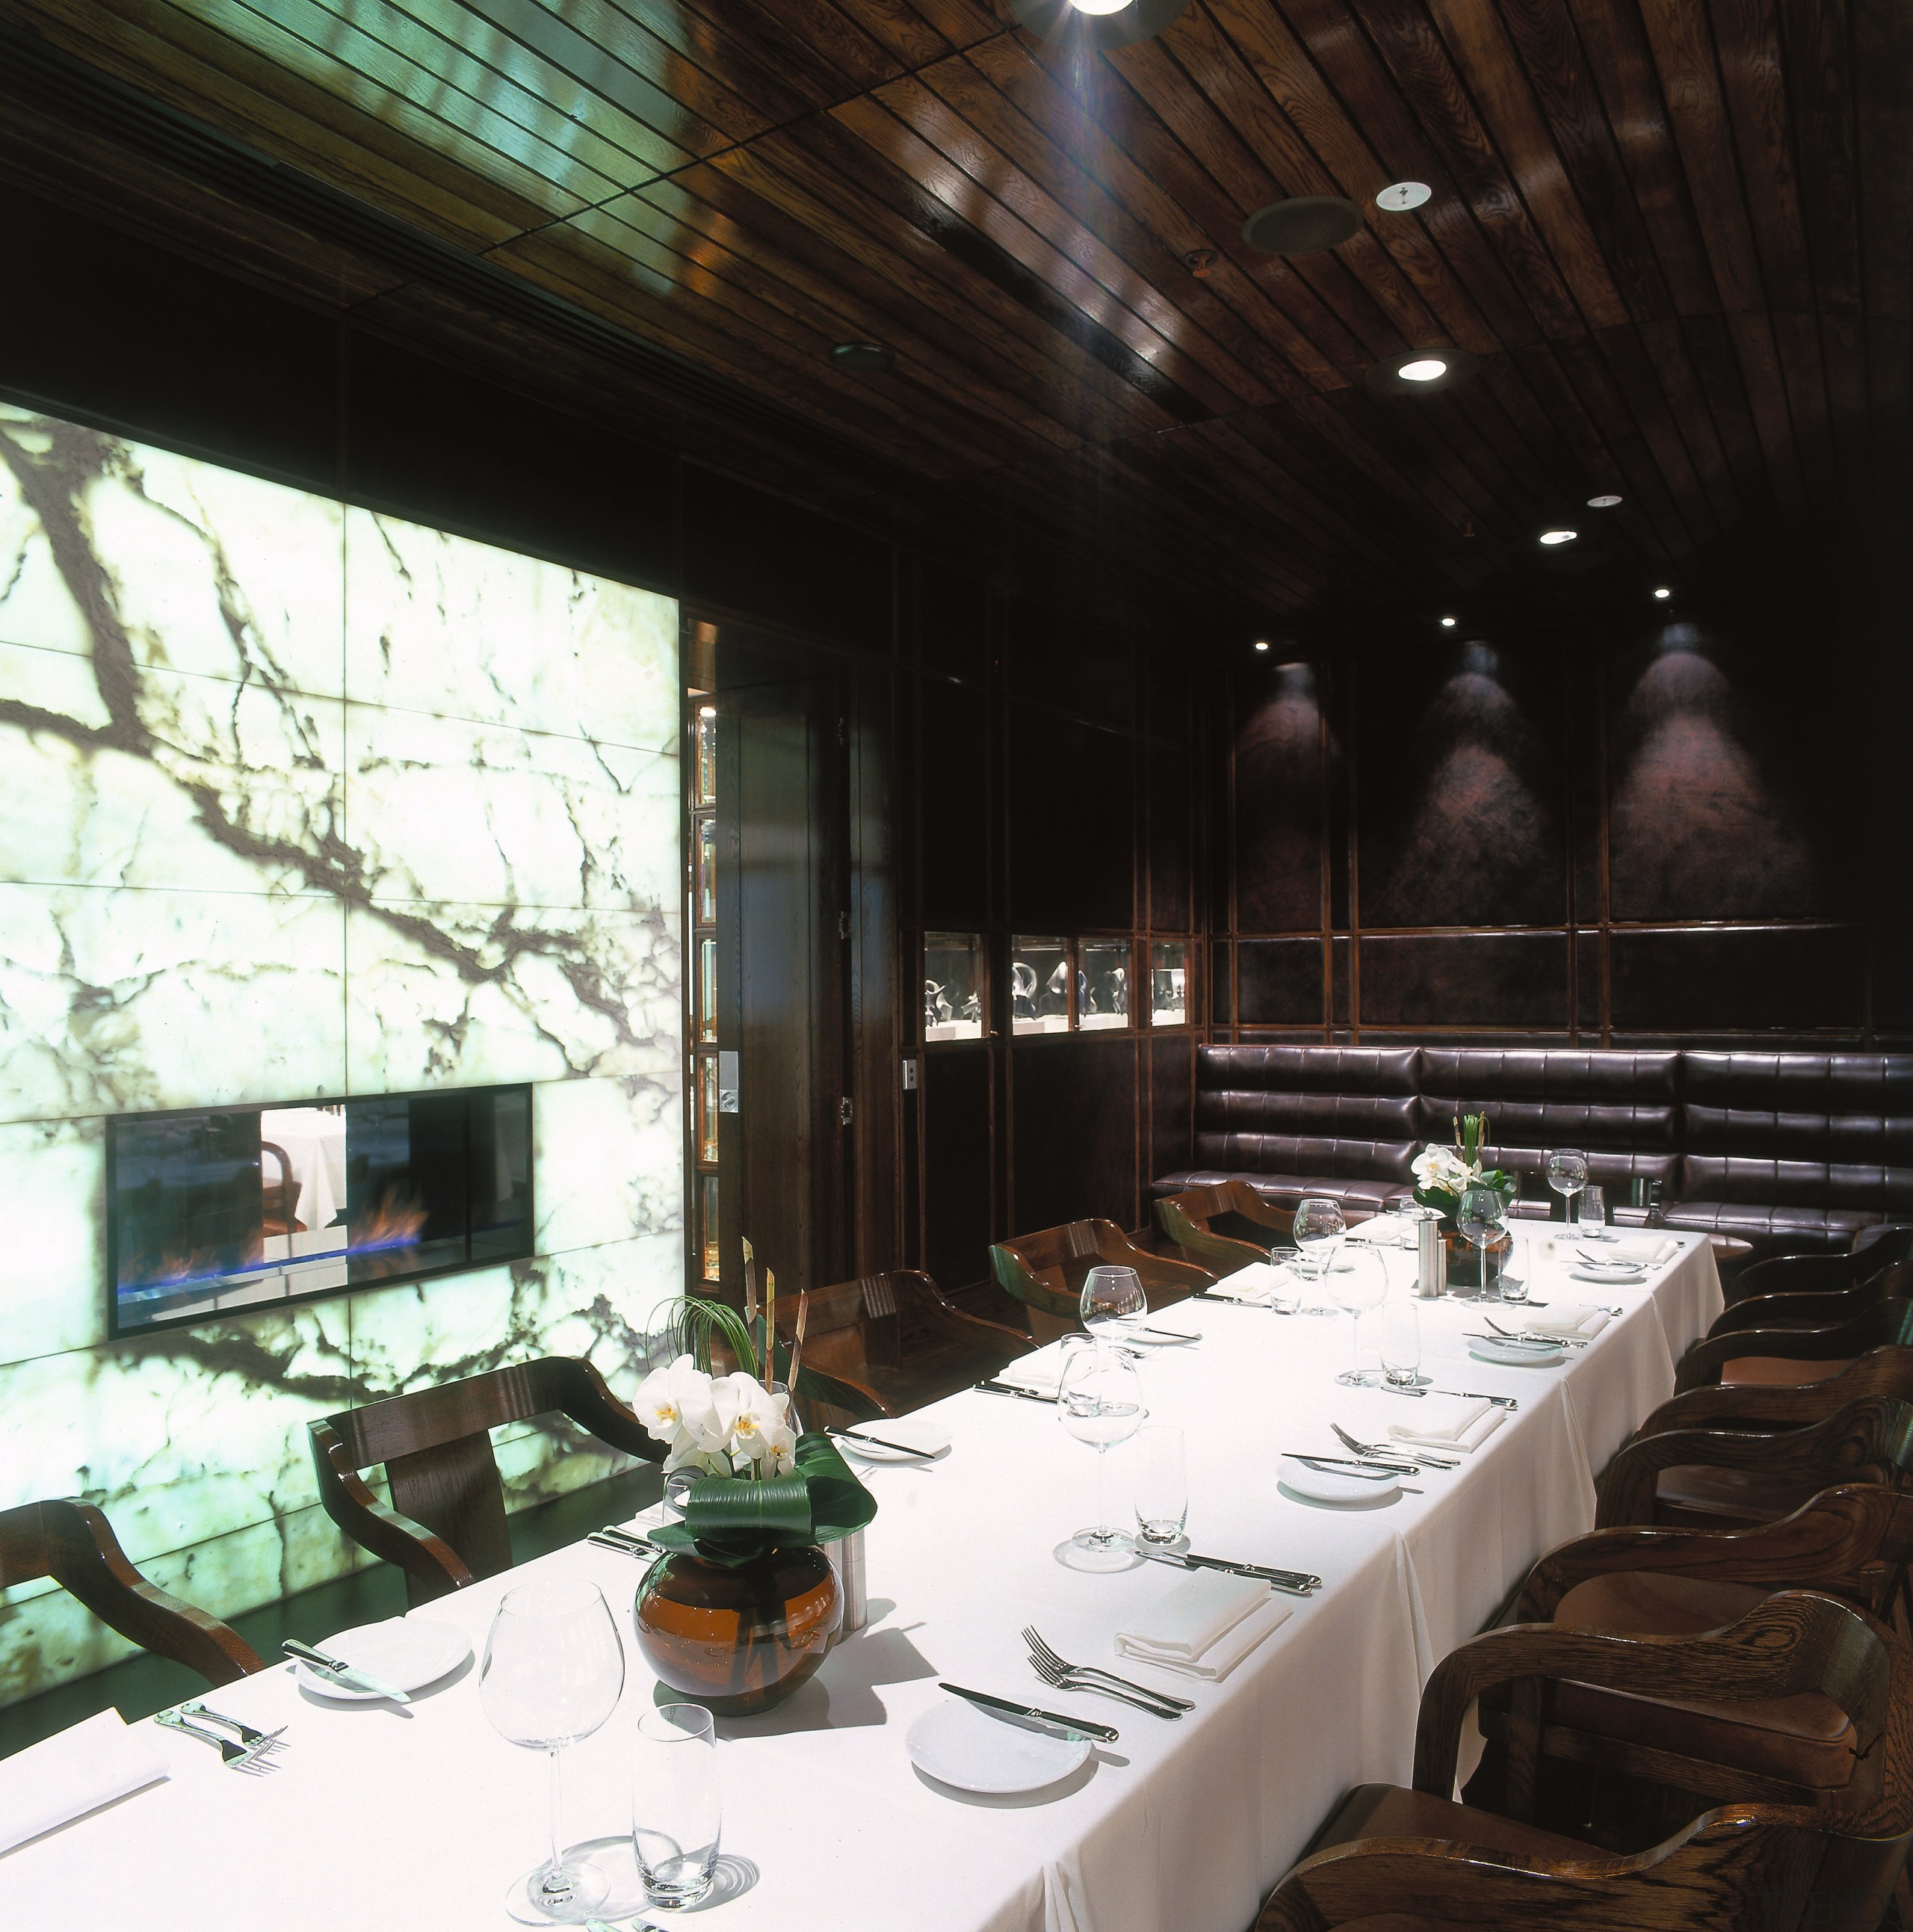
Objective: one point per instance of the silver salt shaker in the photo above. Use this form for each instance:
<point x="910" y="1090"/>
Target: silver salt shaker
<point x="1431" y="1261"/>
<point x="847" y="1558"/>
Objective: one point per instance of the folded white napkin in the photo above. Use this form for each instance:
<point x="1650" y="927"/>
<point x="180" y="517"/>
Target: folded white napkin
<point x="1385" y="1228"/>
<point x="1470" y="1439"/>
<point x="1258" y="1281"/>
<point x="1204" y="1625"/>
<point x="1567" y="1318"/>
<point x="1451" y="1422"/>
<point x="1040" y="1371"/>
<point x="1649" y="1250"/>
<point x="66" y="1776"/>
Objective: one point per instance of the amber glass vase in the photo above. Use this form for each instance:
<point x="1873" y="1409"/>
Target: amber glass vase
<point x="738" y="1638"/>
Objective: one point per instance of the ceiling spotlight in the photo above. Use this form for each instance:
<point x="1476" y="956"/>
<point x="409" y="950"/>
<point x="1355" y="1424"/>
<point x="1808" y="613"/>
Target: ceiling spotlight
<point x="707" y="710"/>
<point x="861" y="358"/>
<point x="1094" y="25"/>
<point x="1304" y="224"/>
<point x="1447" y="623"/>
<point x="1603" y="502"/>
<point x="1416" y="371"/>
<point x="1559" y="536"/>
<point x="1261" y="644"/>
<point x="1400" y="196"/>
<point x="1663" y="591"/>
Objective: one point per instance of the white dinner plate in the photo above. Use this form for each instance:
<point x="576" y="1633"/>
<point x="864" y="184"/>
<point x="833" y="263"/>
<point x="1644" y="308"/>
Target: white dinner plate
<point x="408" y="1652"/>
<point x="1610" y="1274"/>
<point x="1163" y="1338"/>
<point x="1506" y="1355"/>
<point x="956" y="1744"/>
<point x="930" y="1439"/>
<point x="1323" y="1486"/>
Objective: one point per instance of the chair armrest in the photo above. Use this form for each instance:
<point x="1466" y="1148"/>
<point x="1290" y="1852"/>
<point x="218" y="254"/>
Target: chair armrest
<point x="377" y="1527"/>
<point x="587" y="1398"/>
<point x="1701" y="1366"/>
<point x="1014" y="1278"/>
<point x="1752" y="1407"/>
<point x="1195" y="1239"/>
<point x="1819" y="1308"/>
<point x="943" y="1316"/>
<point x="1792" y="1274"/>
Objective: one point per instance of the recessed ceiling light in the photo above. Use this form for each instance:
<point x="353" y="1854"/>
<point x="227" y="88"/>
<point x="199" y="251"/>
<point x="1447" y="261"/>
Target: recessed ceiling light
<point x="1099" y="7"/>
<point x="1559" y="536"/>
<point x="1304" y="224"/>
<point x="1426" y="369"/>
<point x="861" y="358"/>
<point x="1603" y="502"/>
<point x="1094" y="25"/>
<point x="1399" y="196"/>
<point x="1261" y="644"/>
<point x="1447" y="623"/>
<point x="707" y="710"/>
<point x="1663" y="591"/>
<point x="1418" y="371"/>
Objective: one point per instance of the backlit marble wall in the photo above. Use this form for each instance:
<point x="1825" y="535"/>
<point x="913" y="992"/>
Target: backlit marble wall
<point x="302" y="801"/>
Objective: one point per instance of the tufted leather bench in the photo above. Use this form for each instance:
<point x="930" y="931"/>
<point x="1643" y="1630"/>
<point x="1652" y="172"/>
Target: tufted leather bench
<point x="1794" y="1152"/>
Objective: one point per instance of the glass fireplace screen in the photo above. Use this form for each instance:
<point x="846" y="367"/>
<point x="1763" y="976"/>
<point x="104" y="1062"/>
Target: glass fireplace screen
<point x="220" y="1208"/>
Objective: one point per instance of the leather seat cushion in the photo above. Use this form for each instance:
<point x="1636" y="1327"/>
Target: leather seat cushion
<point x="1778" y="1372"/>
<point x="1286" y="1190"/>
<point x="1716" y="1499"/>
<point x="1390" y="1811"/>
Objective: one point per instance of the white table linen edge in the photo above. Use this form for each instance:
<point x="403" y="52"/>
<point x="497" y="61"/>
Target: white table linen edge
<point x="76" y="1770"/>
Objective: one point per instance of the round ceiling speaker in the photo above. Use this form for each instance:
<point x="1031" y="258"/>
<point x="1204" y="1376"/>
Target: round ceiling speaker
<point x="861" y="358"/>
<point x="1304" y="224"/>
<point x="1069" y="26"/>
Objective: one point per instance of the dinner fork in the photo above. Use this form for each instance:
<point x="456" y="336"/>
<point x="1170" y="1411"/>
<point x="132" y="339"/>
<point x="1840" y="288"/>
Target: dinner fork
<point x="1421" y="1455"/>
<point x="1041" y="1653"/>
<point x="265" y="1742"/>
<point x="1071" y="1680"/>
<point x="1557" y="1341"/>
<point x="238" y="1757"/>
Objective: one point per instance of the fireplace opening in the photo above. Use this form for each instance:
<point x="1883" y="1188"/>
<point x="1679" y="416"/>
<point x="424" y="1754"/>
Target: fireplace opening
<point x="213" y="1209"/>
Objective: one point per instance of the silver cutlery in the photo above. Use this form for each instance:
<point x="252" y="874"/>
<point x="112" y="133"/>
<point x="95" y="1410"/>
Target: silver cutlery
<point x="1427" y="1460"/>
<point x="248" y="1758"/>
<point x="1168" y="1334"/>
<point x="878" y="1442"/>
<point x="1067" y="1680"/>
<point x="348" y="1676"/>
<point x="1075" y="1728"/>
<point x="643" y="1551"/>
<point x="1543" y="1341"/>
<point x="991" y="1386"/>
<point x="1290" y="1582"/>
<point x="1239" y="1300"/>
<point x="266" y="1742"/>
<point x="1043" y="1654"/>
<point x="617" y="1533"/>
<point x="1507" y="1402"/>
<point x="1346" y="1466"/>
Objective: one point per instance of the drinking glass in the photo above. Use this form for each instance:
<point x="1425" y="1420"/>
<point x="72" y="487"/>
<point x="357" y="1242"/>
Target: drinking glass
<point x="1359" y="1286"/>
<point x="1112" y="1298"/>
<point x="1317" y="1233"/>
<point x="1593" y="1213"/>
<point x="553" y="1671"/>
<point x="1401" y="1343"/>
<point x="1162" y="1484"/>
<point x="1099" y="1402"/>
<point x="1567" y="1175"/>
<point x="675" y="1809"/>
<point x="1479" y="1220"/>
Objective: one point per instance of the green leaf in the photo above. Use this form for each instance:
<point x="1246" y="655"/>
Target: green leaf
<point x="732" y="1519"/>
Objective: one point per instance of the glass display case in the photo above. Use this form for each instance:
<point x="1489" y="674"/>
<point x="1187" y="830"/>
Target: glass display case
<point x="707" y="992"/>
<point x="1040" y="987"/>
<point x="953" y="993"/>
<point x="707" y="1226"/>
<point x="707" y="871"/>
<point x="1168" y="982"/>
<point x="706" y="780"/>
<point x="1102" y="984"/>
<point x="707" y="1109"/>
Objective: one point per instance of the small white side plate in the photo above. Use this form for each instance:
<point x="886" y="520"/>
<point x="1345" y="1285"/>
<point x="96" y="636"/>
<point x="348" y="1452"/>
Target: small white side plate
<point x="1320" y="1486"/>
<point x="930" y="1439"/>
<point x="1623" y="1276"/>
<point x="957" y="1744"/>
<point x="1507" y="1357"/>
<point x="408" y="1652"/>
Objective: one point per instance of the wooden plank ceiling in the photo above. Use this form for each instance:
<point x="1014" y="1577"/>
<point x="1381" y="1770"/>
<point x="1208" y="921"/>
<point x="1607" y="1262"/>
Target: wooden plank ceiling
<point x="1679" y="233"/>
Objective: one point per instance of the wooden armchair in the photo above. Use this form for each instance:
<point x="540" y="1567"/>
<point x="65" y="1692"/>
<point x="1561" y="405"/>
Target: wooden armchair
<point x="1763" y="1408"/>
<point x="1045" y="1271"/>
<point x="1816" y="1308"/>
<point x="897" y="1336"/>
<point x="73" y="1543"/>
<point x="1224" y="1227"/>
<point x="1794" y="1354"/>
<point x="1720" y="1479"/>
<point x="1413" y="1857"/>
<point x="1797" y="1274"/>
<point x="445" y="1526"/>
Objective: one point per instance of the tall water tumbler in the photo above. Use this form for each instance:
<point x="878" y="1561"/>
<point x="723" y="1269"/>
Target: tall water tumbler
<point x="675" y="1812"/>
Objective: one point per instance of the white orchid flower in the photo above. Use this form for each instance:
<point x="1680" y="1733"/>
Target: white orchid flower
<point x="676" y="1405"/>
<point x="756" y="1419"/>
<point x="1439" y="1167"/>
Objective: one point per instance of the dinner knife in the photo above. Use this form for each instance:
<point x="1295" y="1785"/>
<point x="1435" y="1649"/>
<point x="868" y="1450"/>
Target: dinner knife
<point x="877" y="1442"/>
<point x="1295" y="1582"/>
<point x="1240" y="1301"/>
<point x="991" y="1386"/>
<point x="347" y="1675"/>
<point x="1345" y="1465"/>
<point x="1074" y="1729"/>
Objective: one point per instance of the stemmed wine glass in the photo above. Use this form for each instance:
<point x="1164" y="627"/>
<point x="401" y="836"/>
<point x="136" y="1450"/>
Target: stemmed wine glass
<point x="1099" y="1401"/>
<point x="553" y="1672"/>
<point x="1479" y="1218"/>
<point x="1567" y="1175"/>
<point x="1318" y="1231"/>
<point x="1360" y="1286"/>
<point x="1112" y="1298"/>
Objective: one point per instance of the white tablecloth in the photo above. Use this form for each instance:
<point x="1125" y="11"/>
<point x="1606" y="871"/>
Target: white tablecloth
<point x="421" y="1818"/>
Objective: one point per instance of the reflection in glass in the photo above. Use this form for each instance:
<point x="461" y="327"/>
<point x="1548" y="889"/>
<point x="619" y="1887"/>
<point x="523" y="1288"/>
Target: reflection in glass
<point x="707" y="1224"/>
<point x="952" y="986"/>
<point x="707" y="871"/>
<point x="1169" y="983"/>
<point x="707" y="757"/>
<point x="1102" y="984"/>
<point x="707" y="992"/>
<point x="707" y="1110"/>
<point x="1039" y="985"/>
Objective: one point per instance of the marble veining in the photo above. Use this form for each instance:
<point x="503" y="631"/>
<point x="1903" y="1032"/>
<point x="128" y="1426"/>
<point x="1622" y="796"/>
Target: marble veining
<point x="304" y="800"/>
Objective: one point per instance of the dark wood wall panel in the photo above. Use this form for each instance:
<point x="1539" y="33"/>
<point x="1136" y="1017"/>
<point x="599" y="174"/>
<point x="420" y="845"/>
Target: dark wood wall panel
<point x="1279" y="982"/>
<point x="958" y="1153"/>
<point x="1070" y="824"/>
<point x="1073" y="1121"/>
<point x="1171" y="1142"/>
<point x="1707" y="981"/>
<point x="1172" y="827"/>
<point x="953" y="805"/>
<point x="1282" y="757"/>
<point x="1515" y="979"/>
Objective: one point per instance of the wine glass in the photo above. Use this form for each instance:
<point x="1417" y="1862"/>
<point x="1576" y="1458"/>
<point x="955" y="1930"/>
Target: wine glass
<point x="1479" y="1219"/>
<point x="1318" y="1231"/>
<point x="553" y="1671"/>
<point x="1359" y="1285"/>
<point x="1112" y="1298"/>
<point x="1099" y="1401"/>
<point x="1567" y="1175"/>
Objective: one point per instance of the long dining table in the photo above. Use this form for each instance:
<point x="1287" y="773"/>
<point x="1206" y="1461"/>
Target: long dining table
<point x="419" y="1817"/>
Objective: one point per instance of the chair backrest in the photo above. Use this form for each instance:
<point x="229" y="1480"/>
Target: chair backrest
<point x="1816" y="1308"/>
<point x="1886" y="1325"/>
<point x="1044" y="1270"/>
<point x="73" y="1543"/>
<point x="1226" y="1223"/>
<point x="1766" y="1406"/>
<point x="436" y="1445"/>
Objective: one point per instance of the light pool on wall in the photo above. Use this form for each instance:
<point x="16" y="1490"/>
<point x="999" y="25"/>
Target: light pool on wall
<point x="307" y="802"/>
